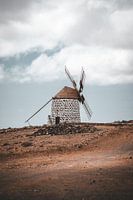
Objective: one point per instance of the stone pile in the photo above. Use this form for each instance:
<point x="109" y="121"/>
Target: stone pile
<point x="65" y="128"/>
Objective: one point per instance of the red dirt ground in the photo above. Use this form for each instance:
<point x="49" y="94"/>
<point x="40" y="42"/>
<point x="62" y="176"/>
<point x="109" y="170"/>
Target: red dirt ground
<point x="83" y="166"/>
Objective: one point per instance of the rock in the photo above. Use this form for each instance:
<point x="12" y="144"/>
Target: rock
<point x="36" y="190"/>
<point x="92" y="182"/>
<point x="65" y="128"/>
<point x="5" y="144"/>
<point x="26" y="144"/>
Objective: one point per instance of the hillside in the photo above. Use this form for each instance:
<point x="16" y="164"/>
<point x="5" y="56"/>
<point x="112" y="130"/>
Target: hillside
<point x="75" y="161"/>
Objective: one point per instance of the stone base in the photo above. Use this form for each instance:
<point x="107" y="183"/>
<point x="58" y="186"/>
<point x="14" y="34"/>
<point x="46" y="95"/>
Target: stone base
<point x="67" y="109"/>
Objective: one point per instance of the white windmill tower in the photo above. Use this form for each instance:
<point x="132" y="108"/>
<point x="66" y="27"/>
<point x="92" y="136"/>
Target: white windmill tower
<point x="66" y="103"/>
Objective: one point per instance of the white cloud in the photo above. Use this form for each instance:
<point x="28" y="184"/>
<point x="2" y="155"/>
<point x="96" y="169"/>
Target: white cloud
<point x="45" y="23"/>
<point x="96" y="34"/>
<point x="102" y="23"/>
<point x="123" y="28"/>
<point x="43" y="68"/>
<point x="44" y="28"/>
<point x="102" y="65"/>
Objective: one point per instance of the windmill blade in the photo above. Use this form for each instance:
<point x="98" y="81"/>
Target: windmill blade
<point x="87" y="109"/>
<point x="38" y="110"/>
<point x="71" y="78"/>
<point x="82" y="79"/>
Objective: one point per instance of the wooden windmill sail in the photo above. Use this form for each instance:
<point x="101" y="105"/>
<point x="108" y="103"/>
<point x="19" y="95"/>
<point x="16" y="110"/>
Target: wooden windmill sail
<point x="80" y="91"/>
<point x="66" y="103"/>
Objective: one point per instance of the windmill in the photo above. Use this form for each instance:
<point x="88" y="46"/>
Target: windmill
<point x="65" y="104"/>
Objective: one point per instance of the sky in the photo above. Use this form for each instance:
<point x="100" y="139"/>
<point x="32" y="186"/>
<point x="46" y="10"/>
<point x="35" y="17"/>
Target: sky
<point x="38" y="38"/>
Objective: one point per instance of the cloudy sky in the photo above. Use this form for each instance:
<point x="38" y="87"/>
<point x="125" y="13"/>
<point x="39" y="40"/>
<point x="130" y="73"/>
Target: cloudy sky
<point x="39" y="37"/>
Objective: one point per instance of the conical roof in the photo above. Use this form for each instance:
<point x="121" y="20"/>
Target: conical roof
<point x="67" y="93"/>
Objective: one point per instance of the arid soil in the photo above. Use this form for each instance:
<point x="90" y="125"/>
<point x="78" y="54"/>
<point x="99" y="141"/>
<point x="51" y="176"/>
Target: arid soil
<point x="81" y="166"/>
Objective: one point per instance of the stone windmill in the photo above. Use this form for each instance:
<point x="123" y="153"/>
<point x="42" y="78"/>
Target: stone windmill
<point x="66" y="103"/>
